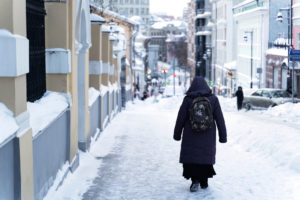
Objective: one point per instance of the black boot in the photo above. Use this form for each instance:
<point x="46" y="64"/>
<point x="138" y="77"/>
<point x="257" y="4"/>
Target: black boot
<point x="195" y="186"/>
<point x="204" y="183"/>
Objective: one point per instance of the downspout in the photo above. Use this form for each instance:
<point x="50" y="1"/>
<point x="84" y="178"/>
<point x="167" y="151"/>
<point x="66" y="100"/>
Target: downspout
<point x="132" y="41"/>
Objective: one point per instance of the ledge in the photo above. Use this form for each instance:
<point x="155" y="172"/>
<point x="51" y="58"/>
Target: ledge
<point x="95" y="67"/>
<point x="58" y="61"/>
<point x="14" y="54"/>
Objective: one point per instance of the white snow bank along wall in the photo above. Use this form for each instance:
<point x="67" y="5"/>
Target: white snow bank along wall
<point x="45" y="110"/>
<point x="93" y="95"/>
<point x="8" y="124"/>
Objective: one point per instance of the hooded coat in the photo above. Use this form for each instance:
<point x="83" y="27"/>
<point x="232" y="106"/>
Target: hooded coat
<point x="199" y="148"/>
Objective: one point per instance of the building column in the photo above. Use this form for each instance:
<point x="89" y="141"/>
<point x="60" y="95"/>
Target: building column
<point x="14" y="65"/>
<point x="95" y="59"/>
<point x="105" y="56"/>
<point x="61" y="62"/>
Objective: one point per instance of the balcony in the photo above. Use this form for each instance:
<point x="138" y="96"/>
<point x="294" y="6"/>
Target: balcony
<point x="203" y="13"/>
<point x="203" y="31"/>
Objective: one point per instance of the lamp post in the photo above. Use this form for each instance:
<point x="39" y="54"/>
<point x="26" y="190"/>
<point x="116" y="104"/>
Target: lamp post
<point x="290" y="41"/>
<point x="251" y="65"/>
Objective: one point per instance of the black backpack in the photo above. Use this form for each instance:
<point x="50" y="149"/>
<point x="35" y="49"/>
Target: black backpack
<point x="201" y="116"/>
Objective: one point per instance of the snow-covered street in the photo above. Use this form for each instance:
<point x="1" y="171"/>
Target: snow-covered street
<point x="136" y="158"/>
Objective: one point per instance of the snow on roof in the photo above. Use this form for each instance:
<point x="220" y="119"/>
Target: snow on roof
<point x="277" y="51"/>
<point x="105" y="29"/>
<point x="175" y="23"/>
<point x="8" y="124"/>
<point x="176" y="38"/>
<point x="97" y="18"/>
<point x="113" y="14"/>
<point x="281" y="41"/>
<point x="137" y="19"/>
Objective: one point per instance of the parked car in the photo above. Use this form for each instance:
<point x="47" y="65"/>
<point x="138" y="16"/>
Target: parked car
<point x="265" y="98"/>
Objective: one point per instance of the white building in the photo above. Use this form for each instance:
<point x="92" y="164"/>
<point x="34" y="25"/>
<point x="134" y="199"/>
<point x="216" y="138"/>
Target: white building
<point x="131" y="8"/>
<point x="222" y="44"/>
<point x="251" y="31"/>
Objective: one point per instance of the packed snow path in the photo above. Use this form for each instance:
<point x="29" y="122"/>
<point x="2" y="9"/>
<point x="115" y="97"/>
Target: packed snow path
<point x="136" y="158"/>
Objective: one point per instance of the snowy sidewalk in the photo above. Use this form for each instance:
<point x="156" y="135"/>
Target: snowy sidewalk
<point x="136" y="158"/>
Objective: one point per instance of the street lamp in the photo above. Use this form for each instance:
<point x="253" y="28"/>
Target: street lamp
<point x="251" y="65"/>
<point x="290" y="36"/>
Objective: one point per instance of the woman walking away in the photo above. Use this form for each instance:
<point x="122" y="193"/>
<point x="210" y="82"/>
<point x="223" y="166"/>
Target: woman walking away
<point x="240" y="97"/>
<point x="198" y="116"/>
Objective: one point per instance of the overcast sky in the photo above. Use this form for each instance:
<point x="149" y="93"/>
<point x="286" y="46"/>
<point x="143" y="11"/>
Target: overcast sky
<point x="171" y="7"/>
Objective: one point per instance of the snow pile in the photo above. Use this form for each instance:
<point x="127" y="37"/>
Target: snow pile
<point x="43" y="111"/>
<point x="74" y="185"/>
<point x="103" y="90"/>
<point x="288" y="112"/>
<point x="93" y="95"/>
<point x="8" y="124"/>
<point x="273" y="134"/>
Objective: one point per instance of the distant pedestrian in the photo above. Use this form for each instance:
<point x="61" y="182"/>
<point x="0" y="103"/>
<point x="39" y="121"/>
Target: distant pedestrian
<point x="240" y="97"/>
<point x="198" y="116"/>
<point x="290" y="90"/>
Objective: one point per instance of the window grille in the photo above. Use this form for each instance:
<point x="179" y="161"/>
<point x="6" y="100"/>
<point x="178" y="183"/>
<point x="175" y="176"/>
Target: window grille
<point x="36" y="78"/>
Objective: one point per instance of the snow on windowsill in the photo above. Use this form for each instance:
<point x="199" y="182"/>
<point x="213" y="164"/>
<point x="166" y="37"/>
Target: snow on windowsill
<point x="8" y="124"/>
<point x="43" y="111"/>
<point x="93" y="95"/>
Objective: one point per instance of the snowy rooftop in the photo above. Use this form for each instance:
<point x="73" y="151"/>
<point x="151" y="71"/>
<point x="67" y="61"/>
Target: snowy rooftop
<point x="96" y="18"/>
<point x="277" y="51"/>
<point x="113" y="14"/>
<point x="175" y="23"/>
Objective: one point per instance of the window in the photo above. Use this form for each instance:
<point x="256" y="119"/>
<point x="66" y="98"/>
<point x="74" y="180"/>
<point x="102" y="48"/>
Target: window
<point x="131" y="2"/>
<point x="143" y="11"/>
<point x="131" y="11"/>
<point x="266" y="94"/>
<point x="36" y="78"/>
<point x="137" y="2"/>
<point x="137" y="12"/>
<point x="257" y="93"/>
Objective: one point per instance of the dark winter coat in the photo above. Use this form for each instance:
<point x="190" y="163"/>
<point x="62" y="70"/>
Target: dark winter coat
<point x="199" y="148"/>
<point x="240" y="96"/>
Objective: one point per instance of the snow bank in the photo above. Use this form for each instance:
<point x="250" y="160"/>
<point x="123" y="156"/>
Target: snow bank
<point x="288" y="112"/>
<point x="88" y="169"/>
<point x="103" y="90"/>
<point x="8" y="124"/>
<point x="272" y="134"/>
<point x="93" y="95"/>
<point x="43" y="111"/>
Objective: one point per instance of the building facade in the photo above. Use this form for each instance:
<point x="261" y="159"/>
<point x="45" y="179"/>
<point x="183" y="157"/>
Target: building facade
<point x="203" y="39"/>
<point x="191" y="37"/>
<point x="253" y="22"/>
<point x="296" y="41"/>
<point x="160" y="32"/>
<point x="75" y="65"/>
<point x="130" y="8"/>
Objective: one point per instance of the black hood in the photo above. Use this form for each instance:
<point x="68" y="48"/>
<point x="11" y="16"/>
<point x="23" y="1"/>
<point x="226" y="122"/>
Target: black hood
<point x="199" y="87"/>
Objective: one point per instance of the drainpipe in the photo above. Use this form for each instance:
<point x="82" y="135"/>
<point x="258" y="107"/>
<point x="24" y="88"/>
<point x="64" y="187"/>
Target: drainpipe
<point x="132" y="41"/>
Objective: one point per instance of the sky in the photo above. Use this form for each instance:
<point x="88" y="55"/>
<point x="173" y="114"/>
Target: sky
<point x="171" y="7"/>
